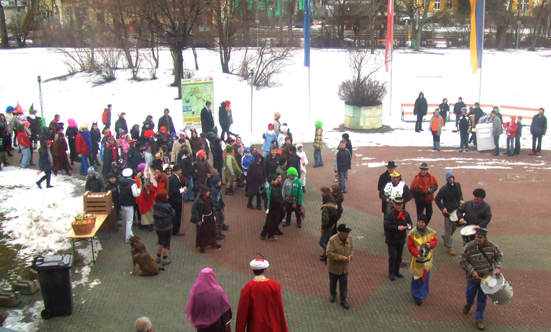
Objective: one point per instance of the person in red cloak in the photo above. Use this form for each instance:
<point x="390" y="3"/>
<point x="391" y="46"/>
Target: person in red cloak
<point x="146" y="200"/>
<point x="208" y="308"/>
<point x="260" y="304"/>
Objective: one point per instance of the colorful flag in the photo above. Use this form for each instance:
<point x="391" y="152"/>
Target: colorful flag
<point x="306" y="31"/>
<point x="389" y="34"/>
<point x="477" y="33"/>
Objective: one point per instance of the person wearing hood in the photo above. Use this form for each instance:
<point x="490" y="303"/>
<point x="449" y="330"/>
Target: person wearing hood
<point x="59" y="153"/>
<point x="436" y="125"/>
<point x="166" y="121"/>
<point x="511" y="132"/>
<point x="448" y="200"/>
<point x="420" y="109"/>
<point x="123" y="142"/>
<point x="96" y="139"/>
<point x="45" y="164"/>
<point x="538" y="128"/>
<point x="421" y="242"/>
<point x="232" y="171"/>
<point x="201" y="169"/>
<point x="218" y="206"/>
<point x="25" y="145"/>
<point x="84" y="146"/>
<point x="207" y="119"/>
<point x="128" y="191"/>
<point x="71" y="134"/>
<point x="93" y="181"/>
<point x="36" y="129"/>
<point x="121" y="127"/>
<point x="270" y="138"/>
<point x="329" y="218"/>
<point x="203" y="215"/>
<point x="318" y="144"/>
<point x="208" y="307"/>
<point x="246" y="161"/>
<point x="292" y="194"/>
<point x="256" y="176"/>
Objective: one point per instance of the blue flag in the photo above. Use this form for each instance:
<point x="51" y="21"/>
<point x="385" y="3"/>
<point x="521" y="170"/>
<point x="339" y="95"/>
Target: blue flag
<point x="306" y="30"/>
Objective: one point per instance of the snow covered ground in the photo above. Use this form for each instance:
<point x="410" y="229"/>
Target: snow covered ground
<point x="509" y="78"/>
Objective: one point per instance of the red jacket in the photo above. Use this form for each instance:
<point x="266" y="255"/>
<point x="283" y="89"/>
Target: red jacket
<point x="81" y="145"/>
<point x="23" y="139"/>
<point x="511" y="129"/>
<point x="420" y="187"/>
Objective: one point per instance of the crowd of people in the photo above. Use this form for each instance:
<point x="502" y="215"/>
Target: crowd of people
<point x="466" y="121"/>
<point x="154" y="170"/>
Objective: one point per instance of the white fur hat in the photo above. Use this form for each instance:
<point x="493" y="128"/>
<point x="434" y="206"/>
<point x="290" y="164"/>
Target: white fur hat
<point x="259" y="264"/>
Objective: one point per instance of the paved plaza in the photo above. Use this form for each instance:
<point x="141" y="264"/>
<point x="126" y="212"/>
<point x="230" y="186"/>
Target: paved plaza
<point x="517" y="190"/>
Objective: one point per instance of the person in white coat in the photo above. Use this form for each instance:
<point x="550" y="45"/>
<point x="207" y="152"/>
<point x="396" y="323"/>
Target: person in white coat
<point x="303" y="163"/>
<point x="128" y="191"/>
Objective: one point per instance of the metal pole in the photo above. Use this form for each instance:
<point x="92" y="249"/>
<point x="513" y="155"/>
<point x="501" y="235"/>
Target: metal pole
<point x="40" y="95"/>
<point x="481" y="54"/>
<point x="252" y="84"/>
<point x="309" y="93"/>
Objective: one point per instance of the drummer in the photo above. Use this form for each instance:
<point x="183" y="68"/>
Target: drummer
<point x="448" y="200"/>
<point x="479" y="259"/>
<point x="476" y="212"/>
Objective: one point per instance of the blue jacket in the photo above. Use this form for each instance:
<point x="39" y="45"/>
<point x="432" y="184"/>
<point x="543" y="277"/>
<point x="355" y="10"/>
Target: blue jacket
<point x="246" y="161"/>
<point x="269" y="140"/>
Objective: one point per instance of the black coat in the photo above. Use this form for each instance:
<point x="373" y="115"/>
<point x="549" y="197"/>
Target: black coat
<point x="120" y="124"/>
<point x="475" y="216"/>
<point x="71" y="133"/>
<point x="256" y="176"/>
<point x="43" y="162"/>
<point x="35" y="127"/>
<point x="94" y="185"/>
<point x="207" y="121"/>
<point x="444" y="110"/>
<point x="174" y="185"/>
<point x="166" y="121"/>
<point x="96" y="139"/>
<point x="125" y="192"/>
<point x="217" y="155"/>
<point x="276" y="206"/>
<point x="294" y="161"/>
<point x="344" y="160"/>
<point x="478" y="113"/>
<point x="457" y="108"/>
<point x="272" y="163"/>
<point x="223" y="115"/>
<point x="538" y="126"/>
<point x="464" y="125"/>
<point x="131" y="159"/>
<point x="449" y="196"/>
<point x="147" y="125"/>
<point x="135" y="133"/>
<point x="187" y="167"/>
<point x="392" y="235"/>
<point x="421" y="106"/>
<point x="383" y="180"/>
<point x="114" y="188"/>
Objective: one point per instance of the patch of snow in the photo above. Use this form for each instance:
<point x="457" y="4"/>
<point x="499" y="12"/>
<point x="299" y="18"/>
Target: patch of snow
<point x="367" y="158"/>
<point x="377" y="164"/>
<point x="478" y="167"/>
<point x="24" y="320"/>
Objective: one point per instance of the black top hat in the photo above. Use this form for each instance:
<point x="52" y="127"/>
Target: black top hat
<point x="391" y="164"/>
<point x="424" y="166"/>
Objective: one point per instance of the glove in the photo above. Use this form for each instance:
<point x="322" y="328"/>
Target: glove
<point x="267" y="211"/>
<point x="182" y="190"/>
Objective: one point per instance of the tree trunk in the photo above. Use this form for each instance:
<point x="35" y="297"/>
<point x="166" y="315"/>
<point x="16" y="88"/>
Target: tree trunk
<point x="224" y="58"/>
<point x="500" y="37"/>
<point x="178" y="62"/>
<point x="3" y="28"/>
<point x="194" y="50"/>
<point x="418" y="38"/>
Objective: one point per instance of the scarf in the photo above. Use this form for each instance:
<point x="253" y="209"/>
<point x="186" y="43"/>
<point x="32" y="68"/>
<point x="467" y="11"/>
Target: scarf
<point x="400" y="215"/>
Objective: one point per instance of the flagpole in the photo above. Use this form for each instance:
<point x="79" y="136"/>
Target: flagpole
<point x="308" y="93"/>
<point x="391" y="87"/>
<point x="481" y="53"/>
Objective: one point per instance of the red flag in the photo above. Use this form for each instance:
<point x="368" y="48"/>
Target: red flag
<point x="389" y="34"/>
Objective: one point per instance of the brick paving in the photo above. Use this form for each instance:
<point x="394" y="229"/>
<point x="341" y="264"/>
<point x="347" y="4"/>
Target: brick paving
<point x="517" y="194"/>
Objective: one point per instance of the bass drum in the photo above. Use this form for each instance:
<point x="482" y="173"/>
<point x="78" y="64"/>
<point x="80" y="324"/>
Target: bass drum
<point x="498" y="289"/>
<point x="468" y="233"/>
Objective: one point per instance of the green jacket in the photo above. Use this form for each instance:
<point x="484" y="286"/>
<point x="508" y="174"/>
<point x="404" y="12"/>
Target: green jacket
<point x="292" y="190"/>
<point x="497" y="127"/>
<point x="329" y="214"/>
<point x="237" y="172"/>
<point x="336" y="249"/>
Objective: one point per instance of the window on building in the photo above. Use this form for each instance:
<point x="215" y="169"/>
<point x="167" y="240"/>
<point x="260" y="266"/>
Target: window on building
<point x="436" y="5"/>
<point x="449" y="4"/>
<point x="523" y="5"/>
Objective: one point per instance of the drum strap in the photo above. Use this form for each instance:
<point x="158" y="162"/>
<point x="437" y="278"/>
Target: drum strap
<point x="485" y="256"/>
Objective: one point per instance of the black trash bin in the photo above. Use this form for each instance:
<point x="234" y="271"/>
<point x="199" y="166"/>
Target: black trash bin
<point x="54" y="274"/>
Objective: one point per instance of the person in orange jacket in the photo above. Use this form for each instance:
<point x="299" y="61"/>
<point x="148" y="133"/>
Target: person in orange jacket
<point x="422" y="190"/>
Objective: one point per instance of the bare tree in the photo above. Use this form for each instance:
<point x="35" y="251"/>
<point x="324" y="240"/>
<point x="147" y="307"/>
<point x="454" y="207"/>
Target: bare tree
<point x="340" y="13"/>
<point x="173" y="21"/>
<point x="499" y="13"/>
<point x="363" y="89"/>
<point x="542" y="14"/>
<point x="267" y="62"/>
<point x="421" y="12"/>
<point x="22" y="27"/>
<point x="3" y="27"/>
<point x="232" y="17"/>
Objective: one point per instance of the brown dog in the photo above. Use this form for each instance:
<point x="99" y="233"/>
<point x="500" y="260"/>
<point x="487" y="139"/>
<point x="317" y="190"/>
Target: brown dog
<point x="148" y="265"/>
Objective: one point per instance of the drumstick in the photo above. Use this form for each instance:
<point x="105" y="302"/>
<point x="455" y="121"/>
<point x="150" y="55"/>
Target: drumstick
<point x="486" y="279"/>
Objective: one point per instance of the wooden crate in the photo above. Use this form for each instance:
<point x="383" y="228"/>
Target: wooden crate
<point x="100" y="203"/>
